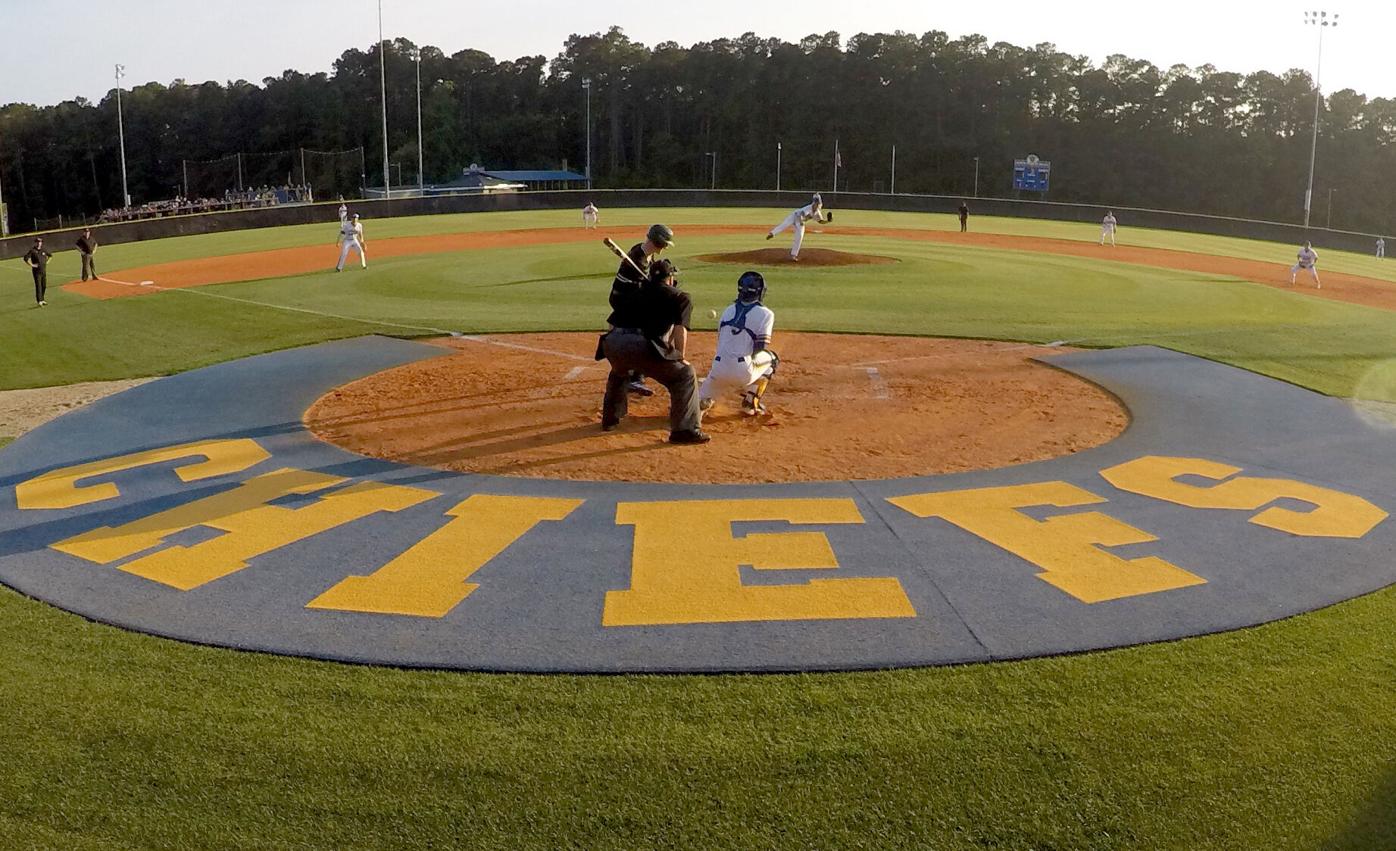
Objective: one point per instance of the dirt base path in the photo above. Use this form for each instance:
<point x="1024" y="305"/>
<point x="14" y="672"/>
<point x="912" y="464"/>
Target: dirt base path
<point x="842" y="407"/>
<point x="1356" y="289"/>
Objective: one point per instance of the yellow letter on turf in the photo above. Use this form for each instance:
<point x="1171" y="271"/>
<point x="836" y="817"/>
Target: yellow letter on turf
<point x="1335" y="514"/>
<point x="1065" y="546"/>
<point x="686" y="566"/>
<point x="428" y="580"/>
<point x="253" y="527"/>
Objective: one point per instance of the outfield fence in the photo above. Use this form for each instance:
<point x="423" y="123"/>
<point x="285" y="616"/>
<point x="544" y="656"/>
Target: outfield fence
<point x="325" y="213"/>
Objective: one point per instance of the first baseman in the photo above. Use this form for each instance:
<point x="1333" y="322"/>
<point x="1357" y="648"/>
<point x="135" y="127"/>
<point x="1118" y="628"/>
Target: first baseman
<point x="1308" y="259"/>
<point x="590" y="216"/>
<point x="351" y="236"/>
<point x="813" y="211"/>
<point x="744" y="360"/>
<point x="1107" y="228"/>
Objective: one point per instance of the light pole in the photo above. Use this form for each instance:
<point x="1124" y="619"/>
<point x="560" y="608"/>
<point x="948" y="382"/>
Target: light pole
<point x="383" y="93"/>
<point x="421" y="180"/>
<point x="893" y="189"/>
<point x="4" y="220"/>
<point x="777" y="166"/>
<point x="1329" y="226"/>
<point x="1320" y="20"/>
<point x="586" y="86"/>
<point x="976" y="177"/>
<point x="121" y="135"/>
<point x="713" y="154"/>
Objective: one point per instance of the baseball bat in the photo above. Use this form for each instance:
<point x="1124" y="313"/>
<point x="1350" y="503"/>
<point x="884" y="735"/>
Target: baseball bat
<point x="616" y="250"/>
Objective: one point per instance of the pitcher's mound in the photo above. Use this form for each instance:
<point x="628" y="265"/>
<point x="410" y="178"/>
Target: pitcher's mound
<point x="808" y="257"/>
<point x="840" y="407"/>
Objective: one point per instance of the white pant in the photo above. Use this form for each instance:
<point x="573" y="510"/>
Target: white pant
<point x="588" y="220"/>
<point x="1294" y="270"/>
<point x="732" y="374"/>
<point x="1381" y="250"/>
<point x="792" y="221"/>
<point x="348" y="245"/>
<point x="1107" y="231"/>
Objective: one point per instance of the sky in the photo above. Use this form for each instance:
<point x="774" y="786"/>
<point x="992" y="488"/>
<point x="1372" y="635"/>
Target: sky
<point x="55" y="50"/>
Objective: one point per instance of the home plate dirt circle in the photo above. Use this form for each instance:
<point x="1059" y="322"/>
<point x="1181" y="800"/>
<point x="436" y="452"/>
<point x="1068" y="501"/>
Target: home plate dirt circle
<point x="841" y="407"/>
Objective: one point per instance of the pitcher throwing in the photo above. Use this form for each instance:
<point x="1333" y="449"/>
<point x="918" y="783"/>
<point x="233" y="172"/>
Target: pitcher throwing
<point x="813" y="211"/>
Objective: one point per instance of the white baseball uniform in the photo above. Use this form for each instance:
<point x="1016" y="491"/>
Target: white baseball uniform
<point x="1381" y="247"/>
<point x="1107" y="228"/>
<point x="351" y="237"/>
<point x="590" y="215"/>
<point x="343" y="213"/>
<point x="810" y="212"/>
<point x="1308" y="259"/>
<point x="737" y="365"/>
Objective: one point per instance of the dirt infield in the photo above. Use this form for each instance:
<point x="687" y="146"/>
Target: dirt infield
<point x="808" y="257"/>
<point x="528" y="405"/>
<point x="286" y="262"/>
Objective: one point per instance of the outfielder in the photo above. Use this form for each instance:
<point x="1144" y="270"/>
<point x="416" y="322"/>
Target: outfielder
<point x="1308" y="259"/>
<point x="343" y="212"/>
<point x="590" y="216"/>
<point x="1107" y="228"/>
<point x="813" y="211"/>
<point x="1381" y="247"/>
<point x="744" y="360"/>
<point x="351" y="236"/>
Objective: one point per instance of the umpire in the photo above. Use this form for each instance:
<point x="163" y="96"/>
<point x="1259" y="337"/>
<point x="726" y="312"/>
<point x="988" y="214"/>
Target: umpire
<point x="87" y="247"/>
<point x="37" y="260"/>
<point x="649" y="335"/>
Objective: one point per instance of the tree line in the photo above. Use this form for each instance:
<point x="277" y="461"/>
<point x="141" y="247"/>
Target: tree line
<point x="1124" y="132"/>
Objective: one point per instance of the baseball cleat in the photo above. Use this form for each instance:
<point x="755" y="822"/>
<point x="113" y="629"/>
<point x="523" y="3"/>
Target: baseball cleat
<point x="689" y="436"/>
<point x="706" y="405"/>
<point x="770" y="236"/>
<point x="639" y="388"/>
<point x="751" y="406"/>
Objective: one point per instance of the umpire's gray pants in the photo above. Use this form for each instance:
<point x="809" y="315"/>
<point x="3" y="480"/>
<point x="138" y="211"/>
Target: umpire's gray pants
<point x="629" y="350"/>
<point x="89" y="267"/>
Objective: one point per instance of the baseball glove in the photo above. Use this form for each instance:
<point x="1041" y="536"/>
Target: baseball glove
<point x="829" y="217"/>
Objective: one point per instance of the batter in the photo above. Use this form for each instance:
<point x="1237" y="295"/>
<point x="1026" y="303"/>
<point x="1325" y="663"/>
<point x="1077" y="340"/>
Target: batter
<point x="744" y="360"/>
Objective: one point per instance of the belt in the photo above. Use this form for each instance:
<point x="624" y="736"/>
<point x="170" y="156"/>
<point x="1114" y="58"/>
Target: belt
<point x="739" y="360"/>
<point x="628" y="330"/>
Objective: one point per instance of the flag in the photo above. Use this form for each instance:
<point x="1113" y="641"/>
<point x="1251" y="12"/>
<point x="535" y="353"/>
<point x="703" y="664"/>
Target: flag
<point x="838" y="160"/>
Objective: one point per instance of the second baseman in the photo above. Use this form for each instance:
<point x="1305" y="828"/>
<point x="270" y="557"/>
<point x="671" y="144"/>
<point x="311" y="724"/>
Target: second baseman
<point x="351" y="237"/>
<point x="1308" y="259"/>
<point x="590" y="216"/>
<point x="1107" y="228"/>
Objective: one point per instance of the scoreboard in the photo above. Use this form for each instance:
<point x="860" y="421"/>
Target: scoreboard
<point x="1032" y="174"/>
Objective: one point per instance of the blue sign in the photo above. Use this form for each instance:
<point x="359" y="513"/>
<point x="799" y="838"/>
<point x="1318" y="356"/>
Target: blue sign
<point x="1032" y="174"/>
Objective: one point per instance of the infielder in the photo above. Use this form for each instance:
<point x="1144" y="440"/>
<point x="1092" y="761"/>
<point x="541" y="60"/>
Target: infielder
<point x="813" y="211"/>
<point x="1107" y="228"/>
<point x="590" y="216"/>
<point x="1308" y="259"/>
<point x="1381" y="247"/>
<point x="351" y="236"/>
<point x="744" y="360"/>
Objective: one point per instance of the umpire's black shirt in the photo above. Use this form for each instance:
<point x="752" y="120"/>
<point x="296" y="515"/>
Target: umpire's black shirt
<point x="38" y="257"/>
<point x="627" y="280"/>
<point x="655" y="308"/>
<point x="85" y="245"/>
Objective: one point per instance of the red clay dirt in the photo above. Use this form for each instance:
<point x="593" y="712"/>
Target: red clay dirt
<point x="841" y="407"/>
<point x="284" y="262"/>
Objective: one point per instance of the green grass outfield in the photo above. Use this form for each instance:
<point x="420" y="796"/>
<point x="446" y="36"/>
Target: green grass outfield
<point x="1282" y="736"/>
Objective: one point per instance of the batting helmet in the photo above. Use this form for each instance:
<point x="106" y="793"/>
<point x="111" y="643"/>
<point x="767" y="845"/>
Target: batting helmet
<point x="751" y="287"/>
<point x="661" y="235"/>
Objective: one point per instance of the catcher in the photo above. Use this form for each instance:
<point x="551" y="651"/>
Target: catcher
<point x="744" y="360"/>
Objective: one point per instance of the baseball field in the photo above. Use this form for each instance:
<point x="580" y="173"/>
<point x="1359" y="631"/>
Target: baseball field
<point x="1281" y="735"/>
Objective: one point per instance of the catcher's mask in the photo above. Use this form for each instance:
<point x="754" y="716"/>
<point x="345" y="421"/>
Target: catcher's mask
<point x="751" y="287"/>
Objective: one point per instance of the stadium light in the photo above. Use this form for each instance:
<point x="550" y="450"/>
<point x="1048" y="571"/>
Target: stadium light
<point x="586" y="86"/>
<point x="121" y="136"/>
<point x="1321" y="21"/>
<point x="383" y="93"/>
<point x="421" y="181"/>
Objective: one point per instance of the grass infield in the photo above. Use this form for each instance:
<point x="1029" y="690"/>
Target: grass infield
<point x="1282" y="736"/>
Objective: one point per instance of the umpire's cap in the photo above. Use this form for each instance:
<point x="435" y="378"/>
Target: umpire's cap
<point x="662" y="270"/>
<point x="661" y="235"/>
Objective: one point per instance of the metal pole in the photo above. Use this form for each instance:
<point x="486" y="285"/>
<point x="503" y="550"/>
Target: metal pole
<point x="4" y="219"/>
<point x="184" y="166"/>
<point x="893" y="190"/>
<point x="121" y="135"/>
<point x="1320" y="20"/>
<point x="586" y="86"/>
<point x="777" y="166"/>
<point x="421" y="179"/>
<point x="836" y="165"/>
<point x="304" y="181"/>
<point x="714" y="185"/>
<point x="1330" y="210"/>
<point x="239" y="156"/>
<point x="383" y="92"/>
<point x="976" y="177"/>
